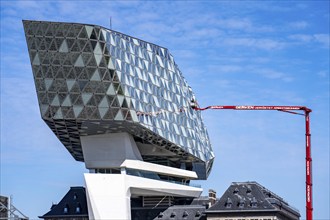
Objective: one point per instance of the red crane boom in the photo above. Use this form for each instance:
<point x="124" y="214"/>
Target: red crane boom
<point x="289" y="109"/>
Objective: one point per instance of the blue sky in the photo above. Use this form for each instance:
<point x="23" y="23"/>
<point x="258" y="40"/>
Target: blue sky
<point x="230" y="52"/>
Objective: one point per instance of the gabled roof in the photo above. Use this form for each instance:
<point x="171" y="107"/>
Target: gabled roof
<point x="251" y="197"/>
<point x="73" y="204"/>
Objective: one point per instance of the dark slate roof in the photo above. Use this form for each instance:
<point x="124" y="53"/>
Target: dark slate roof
<point x="73" y="204"/>
<point x="182" y="212"/>
<point x="202" y="200"/>
<point x="143" y="213"/>
<point x="251" y="197"/>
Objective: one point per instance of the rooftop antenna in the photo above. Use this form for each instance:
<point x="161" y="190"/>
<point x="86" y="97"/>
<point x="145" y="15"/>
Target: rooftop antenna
<point x="110" y="22"/>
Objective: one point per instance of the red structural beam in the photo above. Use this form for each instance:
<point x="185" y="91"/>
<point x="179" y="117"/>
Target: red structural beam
<point x="288" y="109"/>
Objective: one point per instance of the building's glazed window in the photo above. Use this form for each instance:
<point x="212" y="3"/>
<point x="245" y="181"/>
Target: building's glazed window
<point x="75" y="196"/>
<point x="108" y="170"/>
<point x="143" y="173"/>
<point x="66" y="209"/>
<point x="78" y="208"/>
<point x="157" y="66"/>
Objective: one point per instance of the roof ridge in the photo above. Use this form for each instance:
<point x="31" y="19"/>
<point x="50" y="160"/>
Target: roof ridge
<point x="263" y="189"/>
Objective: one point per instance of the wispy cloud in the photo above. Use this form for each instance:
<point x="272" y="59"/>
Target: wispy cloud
<point x="298" y="25"/>
<point x="273" y="74"/>
<point x="321" y="39"/>
<point x="257" y="43"/>
<point x="323" y="73"/>
<point x="244" y="24"/>
<point x="226" y="68"/>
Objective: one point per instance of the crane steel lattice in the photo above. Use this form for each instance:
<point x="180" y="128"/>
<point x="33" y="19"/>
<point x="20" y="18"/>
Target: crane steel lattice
<point x="288" y="109"/>
<point x="8" y="211"/>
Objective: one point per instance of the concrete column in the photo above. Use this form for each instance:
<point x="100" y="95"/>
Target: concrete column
<point x="108" y="197"/>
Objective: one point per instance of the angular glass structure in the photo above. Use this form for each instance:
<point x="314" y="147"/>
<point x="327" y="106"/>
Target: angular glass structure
<point x="91" y="81"/>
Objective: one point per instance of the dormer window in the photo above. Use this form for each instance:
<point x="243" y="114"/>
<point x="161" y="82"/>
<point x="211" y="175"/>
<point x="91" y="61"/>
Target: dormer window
<point x="66" y="209"/>
<point x="254" y="203"/>
<point x="75" y="196"/>
<point x="198" y="214"/>
<point x="185" y="214"/>
<point x="236" y="190"/>
<point x="241" y="203"/>
<point x="78" y="208"/>
<point x="172" y="215"/>
<point x="228" y="203"/>
<point x="248" y="190"/>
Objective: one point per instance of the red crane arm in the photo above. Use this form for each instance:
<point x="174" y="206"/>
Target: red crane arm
<point x="253" y="107"/>
<point x="288" y="109"/>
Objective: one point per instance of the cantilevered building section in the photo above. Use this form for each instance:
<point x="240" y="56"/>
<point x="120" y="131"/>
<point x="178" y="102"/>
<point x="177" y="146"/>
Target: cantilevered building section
<point x="121" y="105"/>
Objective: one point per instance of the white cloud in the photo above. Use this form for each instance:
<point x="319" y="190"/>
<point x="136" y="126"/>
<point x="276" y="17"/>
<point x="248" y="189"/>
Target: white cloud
<point x="27" y="5"/>
<point x="273" y="74"/>
<point x="235" y="23"/>
<point x="301" y="37"/>
<point x="244" y="24"/>
<point x="224" y="68"/>
<point x="184" y="54"/>
<point x="321" y="39"/>
<point x="257" y="43"/>
<point x="323" y="73"/>
<point x="223" y="84"/>
<point x="298" y="24"/>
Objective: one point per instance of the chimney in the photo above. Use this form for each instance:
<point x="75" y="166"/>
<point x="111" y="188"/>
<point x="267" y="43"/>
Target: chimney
<point x="212" y="197"/>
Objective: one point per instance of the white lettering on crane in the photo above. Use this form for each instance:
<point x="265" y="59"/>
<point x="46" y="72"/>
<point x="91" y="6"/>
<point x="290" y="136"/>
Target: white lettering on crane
<point x="307" y="168"/>
<point x="244" y="107"/>
<point x="308" y="193"/>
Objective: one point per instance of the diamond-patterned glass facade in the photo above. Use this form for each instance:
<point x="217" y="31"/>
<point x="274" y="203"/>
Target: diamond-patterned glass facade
<point x="92" y="80"/>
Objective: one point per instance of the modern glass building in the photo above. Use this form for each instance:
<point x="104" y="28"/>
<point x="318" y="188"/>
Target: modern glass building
<point x="117" y="103"/>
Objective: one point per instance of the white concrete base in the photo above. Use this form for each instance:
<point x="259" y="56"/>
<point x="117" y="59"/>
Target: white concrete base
<point x="108" y="195"/>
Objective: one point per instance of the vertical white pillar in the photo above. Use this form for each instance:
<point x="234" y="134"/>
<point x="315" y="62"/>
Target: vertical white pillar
<point x="108" y="197"/>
